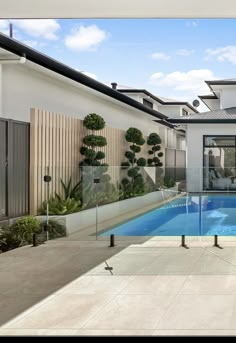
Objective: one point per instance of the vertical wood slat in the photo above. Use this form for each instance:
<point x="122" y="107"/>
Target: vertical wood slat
<point x="55" y="142"/>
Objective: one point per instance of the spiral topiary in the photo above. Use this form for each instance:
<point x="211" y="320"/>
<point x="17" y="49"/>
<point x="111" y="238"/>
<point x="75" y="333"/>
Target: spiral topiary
<point x="154" y="140"/>
<point x="134" y="184"/>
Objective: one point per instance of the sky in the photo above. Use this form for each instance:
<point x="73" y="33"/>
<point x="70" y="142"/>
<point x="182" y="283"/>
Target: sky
<point x="168" y="57"/>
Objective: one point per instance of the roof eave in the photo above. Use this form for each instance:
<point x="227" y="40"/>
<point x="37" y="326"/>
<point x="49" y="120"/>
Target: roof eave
<point x="34" y="56"/>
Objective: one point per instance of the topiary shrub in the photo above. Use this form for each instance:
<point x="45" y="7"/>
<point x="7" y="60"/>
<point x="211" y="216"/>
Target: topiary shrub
<point x="93" y="165"/>
<point x="154" y="140"/>
<point x="94" y="121"/>
<point x="134" y="185"/>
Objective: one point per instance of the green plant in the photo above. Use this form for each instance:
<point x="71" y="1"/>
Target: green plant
<point x="55" y="229"/>
<point x="94" y="122"/>
<point x="59" y="206"/>
<point x="72" y="192"/>
<point x="154" y="140"/>
<point x="25" y="227"/>
<point x="134" y="185"/>
<point x="169" y="182"/>
<point x="8" y="239"/>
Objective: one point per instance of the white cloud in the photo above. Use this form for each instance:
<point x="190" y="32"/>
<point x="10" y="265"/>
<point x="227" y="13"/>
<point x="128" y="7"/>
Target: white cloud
<point x="185" y="86"/>
<point x="184" y="52"/>
<point x="44" y="28"/>
<point x="160" y="56"/>
<point x="227" y="53"/>
<point x="193" y="80"/>
<point x="85" y="38"/>
<point x="4" y="27"/>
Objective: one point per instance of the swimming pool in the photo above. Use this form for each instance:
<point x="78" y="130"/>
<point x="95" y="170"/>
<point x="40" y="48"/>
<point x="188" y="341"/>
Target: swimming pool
<point x="193" y="215"/>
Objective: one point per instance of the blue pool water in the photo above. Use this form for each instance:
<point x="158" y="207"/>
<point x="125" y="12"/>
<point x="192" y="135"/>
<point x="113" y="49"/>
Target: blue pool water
<point x="191" y="215"/>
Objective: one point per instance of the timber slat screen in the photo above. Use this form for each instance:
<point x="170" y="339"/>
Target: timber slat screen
<point x="55" y="142"/>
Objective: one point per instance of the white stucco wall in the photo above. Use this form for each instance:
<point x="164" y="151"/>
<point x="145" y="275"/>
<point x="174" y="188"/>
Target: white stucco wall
<point x="171" y="111"/>
<point x="228" y="97"/>
<point x="194" y="137"/>
<point x="24" y="88"/>
<point x="214" y="104"/>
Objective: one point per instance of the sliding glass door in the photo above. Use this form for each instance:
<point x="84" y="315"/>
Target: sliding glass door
<point x="219" y="163"/>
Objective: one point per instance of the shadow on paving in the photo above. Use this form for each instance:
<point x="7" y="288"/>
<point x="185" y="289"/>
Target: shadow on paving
<point x="29" y="275"/>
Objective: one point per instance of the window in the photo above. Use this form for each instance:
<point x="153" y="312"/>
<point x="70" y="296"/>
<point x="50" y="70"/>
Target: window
<point x="147" y="103"/>
<point x="219" y="162"/>
<point x="184" y="112"/>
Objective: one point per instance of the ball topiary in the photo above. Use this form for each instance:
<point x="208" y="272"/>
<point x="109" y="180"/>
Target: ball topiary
<point x="130" y="155"/>
<point x="141" y="162"/>
<point x="135" y="148"/>
<point x="100" y="155"/>
<point x="90" y="154"/>
<point x="94" y="121"/>
<point x="153" y="139"/>
<point x="83" y="150"/>
<point x="156" y="148"/>
<point x="132" y="172"/>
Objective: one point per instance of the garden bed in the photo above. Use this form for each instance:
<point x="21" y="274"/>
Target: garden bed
<point x="80" y="220"/>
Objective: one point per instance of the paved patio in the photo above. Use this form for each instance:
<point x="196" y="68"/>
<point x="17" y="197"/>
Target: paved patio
<point x="154" y="288"/>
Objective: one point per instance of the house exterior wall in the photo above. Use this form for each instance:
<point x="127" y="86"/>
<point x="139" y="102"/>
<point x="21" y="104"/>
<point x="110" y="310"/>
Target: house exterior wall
<point x="194" y="138"/>
<point x="228" y="97"/>
<point x="24" y="88"/>
<point x="171" y="111"/>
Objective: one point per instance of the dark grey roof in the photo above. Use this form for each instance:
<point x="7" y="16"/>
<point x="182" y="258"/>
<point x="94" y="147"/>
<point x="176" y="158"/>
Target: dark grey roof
<point x="220" y="116"/>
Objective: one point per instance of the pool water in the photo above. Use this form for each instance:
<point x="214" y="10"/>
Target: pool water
<point x="191" y="215"/>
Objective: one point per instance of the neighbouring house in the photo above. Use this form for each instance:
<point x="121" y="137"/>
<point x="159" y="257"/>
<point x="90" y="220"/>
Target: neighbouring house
<point x="211" y="140"/>
<point x="169" y="107"/>
<point x="31" y="82"/>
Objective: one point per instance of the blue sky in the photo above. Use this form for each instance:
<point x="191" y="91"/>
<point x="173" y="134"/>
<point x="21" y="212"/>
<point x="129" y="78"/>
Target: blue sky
<point x="168" y="57"/>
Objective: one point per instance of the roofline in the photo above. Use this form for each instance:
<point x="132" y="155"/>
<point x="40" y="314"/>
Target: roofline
<point x="47" y="62"/>
<point x="207" y="97"/>
<point x="165" y="123"/>
<point x="220" y="82"/>
<point x="135" y="90"/>
<point x="202" y="121"/>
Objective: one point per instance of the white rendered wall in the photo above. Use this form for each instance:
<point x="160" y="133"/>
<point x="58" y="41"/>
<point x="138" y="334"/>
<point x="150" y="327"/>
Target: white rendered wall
<point x="25" y="88"/>
<point x="228" y="98"/>
<point x="171" y="111"/>
<point x="194" y="136"/>
<point x="214" y="104"/>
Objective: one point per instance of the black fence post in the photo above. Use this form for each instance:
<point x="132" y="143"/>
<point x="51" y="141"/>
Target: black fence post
<point x="216" y="244"/>
<point x="112" y="240"/>
<point x="35" y="240"/>
<point x="183" y="244"/>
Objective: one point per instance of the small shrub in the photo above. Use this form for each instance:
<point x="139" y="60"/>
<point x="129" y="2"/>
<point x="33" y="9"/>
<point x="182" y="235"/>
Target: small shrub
<point x="55" y="229"/>
<point x="59" y="206"/>
<point x="25" y="227"/>
<point x="169" y="182"/>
